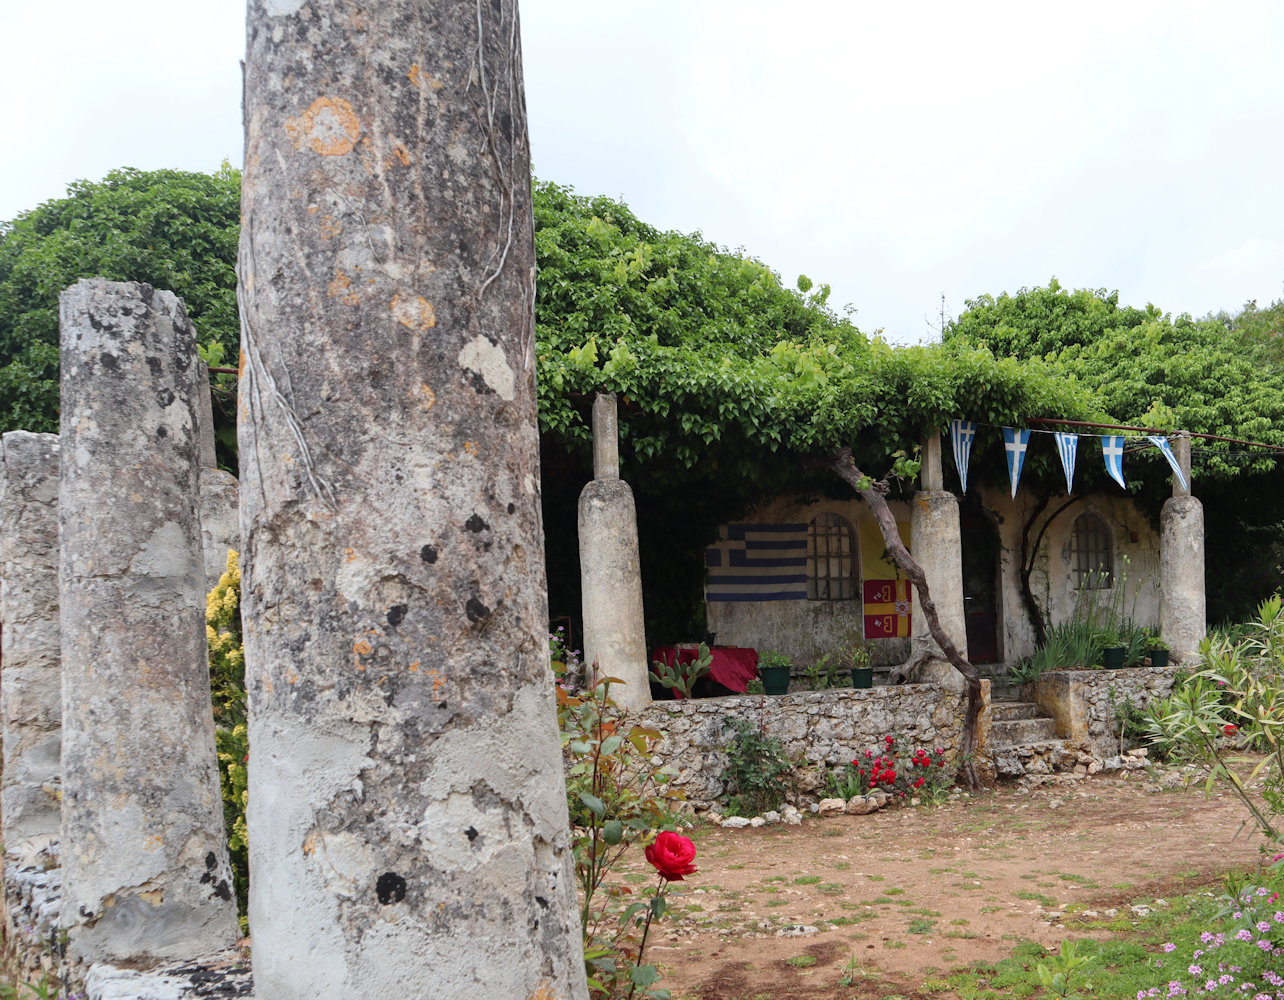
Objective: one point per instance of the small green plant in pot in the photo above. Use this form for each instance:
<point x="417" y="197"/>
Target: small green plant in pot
<point x="773" y="669"/>
<point x="857" y="655"/>
<point x="1112" y="651"/>
<point x="1157" y="650"/>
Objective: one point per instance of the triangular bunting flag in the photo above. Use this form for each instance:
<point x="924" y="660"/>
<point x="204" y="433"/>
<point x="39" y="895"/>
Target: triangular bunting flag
<point x="1068" y="449"/>
<point x="961" y="434"/>
<point x="1014" y="444"/>
<point x="1112" y="447"/>
<point x="1167" y="449"/>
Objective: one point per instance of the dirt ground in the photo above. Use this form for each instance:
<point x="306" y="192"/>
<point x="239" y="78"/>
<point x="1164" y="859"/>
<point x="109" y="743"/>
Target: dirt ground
<point x="902" y="896"/>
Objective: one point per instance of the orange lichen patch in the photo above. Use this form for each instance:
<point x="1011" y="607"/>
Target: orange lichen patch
<point x="349" y="555"/>
<point x="310" y="843"/>
<point x="328" y="128"/>
<point x="414" y="667"/>
<point x="471" y="448"/>
<point x="341" y="288"/>
<point x="400" y="154"/>
<point x="362" y="648"/>
<point x="543" y="992"/>
<point x="414" y="314"/>
<point x="291" y="677"/>
<point x="438" y="682"/>
<point x="153" y="896"/>
<point x="330" y="227"/>
<point x="313" y="209"/>
<point x="153" y="843"/>
<point x="428" y="398"/>
<point x="419" y="78"/>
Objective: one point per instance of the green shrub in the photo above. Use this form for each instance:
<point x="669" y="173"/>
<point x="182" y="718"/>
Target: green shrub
<point x="756" y="772"/>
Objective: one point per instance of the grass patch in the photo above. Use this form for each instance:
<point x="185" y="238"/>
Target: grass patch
<point x="802" y="961"/>
<point x="1037" y="897"/>
<point x="806" y="880"/>
<point x="921" y="926"/>
<point x="894" y="892"/>
<point x="830" y="889"/>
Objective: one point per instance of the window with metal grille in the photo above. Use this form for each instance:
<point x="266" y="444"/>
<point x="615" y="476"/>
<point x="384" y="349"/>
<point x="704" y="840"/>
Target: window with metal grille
<point x="1093" y="554"/>
<point x="831" y="559"/>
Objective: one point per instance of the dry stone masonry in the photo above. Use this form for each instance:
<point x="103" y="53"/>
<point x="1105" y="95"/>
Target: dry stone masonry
<point x="407" y="817"/>
<point x="145" y="867"/>
<point x="821" y="727"/>
<point x="31" y="684"/>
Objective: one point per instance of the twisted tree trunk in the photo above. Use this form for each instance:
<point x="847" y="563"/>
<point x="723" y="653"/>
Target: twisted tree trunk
<point x="871" y="492"/>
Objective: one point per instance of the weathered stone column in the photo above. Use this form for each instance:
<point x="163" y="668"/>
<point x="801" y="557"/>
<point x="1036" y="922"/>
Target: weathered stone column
<point x="610" y="571"/>
<point x="144" y="853"/>
<point x="1182" y="607"/>
<point x="936" y="544"/>
<point x="31" y="683"/>
<point x="407" y="813"/>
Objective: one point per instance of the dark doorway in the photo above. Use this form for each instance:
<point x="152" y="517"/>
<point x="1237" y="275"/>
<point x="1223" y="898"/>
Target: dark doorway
<point x="980" y="584"/>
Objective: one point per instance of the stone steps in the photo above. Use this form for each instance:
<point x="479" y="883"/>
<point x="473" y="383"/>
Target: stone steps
<point x="1006" y="711"/>
<point x="1018" y="732"/>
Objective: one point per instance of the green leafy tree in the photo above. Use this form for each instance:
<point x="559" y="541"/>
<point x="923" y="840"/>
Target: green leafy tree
<point x="1218" y="375"/>
<point x="174" y="230"/>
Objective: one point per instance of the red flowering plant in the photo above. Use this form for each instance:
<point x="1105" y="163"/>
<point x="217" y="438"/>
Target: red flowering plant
<point x="617" y="799"/>
<point x="924" y="774"/>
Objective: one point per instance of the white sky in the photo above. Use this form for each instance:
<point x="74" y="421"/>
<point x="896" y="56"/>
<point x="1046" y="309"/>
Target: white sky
<point x="897" y="151"/>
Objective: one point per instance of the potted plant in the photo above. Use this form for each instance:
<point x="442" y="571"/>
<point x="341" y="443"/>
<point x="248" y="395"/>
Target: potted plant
<point x="862" y="670"/>
<point x="681" y="677"/>
<point x="773" y="668"/>
<point x="1112" y="652"/>
<point x="1157" y="650"/>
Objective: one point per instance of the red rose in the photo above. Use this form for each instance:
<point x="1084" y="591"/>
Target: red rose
<point x="672" y="854"/>
<point x="889" y="740"/>
<point x="920" y="782"/>
<point x="1230" y="730"/>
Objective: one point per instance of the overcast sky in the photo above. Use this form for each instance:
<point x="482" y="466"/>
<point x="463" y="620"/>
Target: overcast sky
<point x="898" y="151"/>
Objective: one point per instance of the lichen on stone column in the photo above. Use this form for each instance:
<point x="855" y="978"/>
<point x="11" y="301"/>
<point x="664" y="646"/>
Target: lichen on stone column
<point x="407" y="816"/>
<point x="144" y="852"/>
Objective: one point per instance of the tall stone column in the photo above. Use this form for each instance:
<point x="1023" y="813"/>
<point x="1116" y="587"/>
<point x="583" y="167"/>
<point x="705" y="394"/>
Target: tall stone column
<point x="407" y="812"/>
<point x="1182" y="607"/>
<point x="610" y="571"/>
<point x="936" y="545"/>
<point x="31" y="682"/>
<point x="144" y="852"/>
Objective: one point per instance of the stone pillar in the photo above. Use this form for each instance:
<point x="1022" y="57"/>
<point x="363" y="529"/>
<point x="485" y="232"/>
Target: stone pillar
<point x="31" y="682"/>
<point x="936" y="544"/>
<point x="1182" y="607"/>
<point x="610" y="572"/>
<point x="407" y="811"/>
<point x="144" y="852"/>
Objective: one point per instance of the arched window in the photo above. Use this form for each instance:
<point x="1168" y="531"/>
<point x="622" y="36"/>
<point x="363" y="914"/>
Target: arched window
<point x="831" y="559"/>
<point x="1093" y="554"/>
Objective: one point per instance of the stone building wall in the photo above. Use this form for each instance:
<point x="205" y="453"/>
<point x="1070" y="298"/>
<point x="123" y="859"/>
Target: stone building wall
<point x="1084" y="702"/>
<point x="1053" y="580"/>
<point x="805" y="630"/>
<point x="816" y="727"/>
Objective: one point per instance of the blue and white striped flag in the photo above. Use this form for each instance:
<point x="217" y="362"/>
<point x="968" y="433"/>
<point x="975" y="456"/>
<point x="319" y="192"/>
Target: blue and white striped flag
<point x="1015" y="443"/>
<point x="758" y="562"/>
<point x="961" y="434"/>
<point x="1068" y="449"/>
<point x="1112" y="447"/>
<point x="1163" y="445"/>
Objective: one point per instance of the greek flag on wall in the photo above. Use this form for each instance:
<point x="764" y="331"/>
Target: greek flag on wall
<point x="962" y="432"/>
<point x="1015" y="443"/>
<point x="1112" y="447"/>
<point x="1068" y="449"/>
<point x="1167" y="449"/>
<point x="758" y="562"/>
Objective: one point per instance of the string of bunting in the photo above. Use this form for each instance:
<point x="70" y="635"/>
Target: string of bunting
<point x="1016" y="441"/>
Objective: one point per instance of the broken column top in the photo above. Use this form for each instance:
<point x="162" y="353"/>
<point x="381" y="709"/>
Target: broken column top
<point x="606" y="437"/>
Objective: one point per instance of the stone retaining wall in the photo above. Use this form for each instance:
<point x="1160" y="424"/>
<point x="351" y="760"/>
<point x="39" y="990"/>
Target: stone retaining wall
<point x="815" y="727"/>
<point x="1083" y="702"/>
